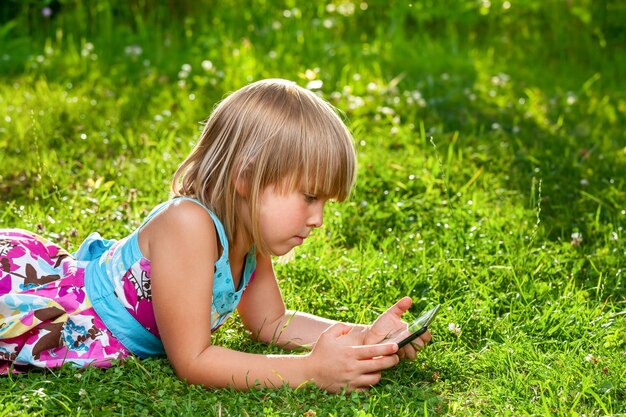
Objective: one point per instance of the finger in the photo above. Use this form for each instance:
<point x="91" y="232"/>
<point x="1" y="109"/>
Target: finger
<point x="378" y="364"/>
<point x="366" y="381"/>
<point x="418" y="343"/>
<point x="372" y="351"/>
<point x="399" y="308"/>
<point x="337" y="330"/>
<point x="409" y="352"/>
<point x="426" y="337"/>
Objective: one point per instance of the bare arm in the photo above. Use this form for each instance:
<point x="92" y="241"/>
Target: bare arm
<point x="182" y="247"/>
<point x="263" y="312"/>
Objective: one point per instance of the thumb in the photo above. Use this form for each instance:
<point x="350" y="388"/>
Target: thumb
<point x="337" y="330"/>
<point x="400" y="307"/>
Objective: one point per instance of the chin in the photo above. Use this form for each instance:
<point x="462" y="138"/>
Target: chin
<point x="280" y="252"/>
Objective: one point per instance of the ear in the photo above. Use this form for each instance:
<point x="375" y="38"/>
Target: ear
<point x="242" y="185"/>
<point x="242" y="181"/>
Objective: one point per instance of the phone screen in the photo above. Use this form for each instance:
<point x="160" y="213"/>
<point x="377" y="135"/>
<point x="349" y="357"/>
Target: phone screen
<point x="419" y="326"/>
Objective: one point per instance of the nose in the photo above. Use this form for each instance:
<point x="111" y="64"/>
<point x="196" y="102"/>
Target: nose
<point x="316" y="215"/>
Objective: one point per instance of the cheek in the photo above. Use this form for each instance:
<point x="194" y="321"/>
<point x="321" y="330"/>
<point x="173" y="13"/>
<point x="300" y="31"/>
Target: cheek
<point x="270" y="219"/>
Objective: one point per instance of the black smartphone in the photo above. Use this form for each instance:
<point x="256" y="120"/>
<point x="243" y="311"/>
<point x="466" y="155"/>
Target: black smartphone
<point x="419" y="326"/>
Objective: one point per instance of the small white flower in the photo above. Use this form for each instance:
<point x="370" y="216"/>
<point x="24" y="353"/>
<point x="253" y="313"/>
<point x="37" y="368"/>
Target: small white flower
<point x="571" y="98"/>
<point x="354" y="102"/>
<point x="386" y="110"/>
<point x="454" y="329"/>
<point x="346" y="9"/>
<point x="314" y="84"/>
<point x="133" y="50"/>
<point x="82" y="392"/>
<point x="577" y="239"/>
<point x="207" y="65"/>
<point x="613" y="236"/>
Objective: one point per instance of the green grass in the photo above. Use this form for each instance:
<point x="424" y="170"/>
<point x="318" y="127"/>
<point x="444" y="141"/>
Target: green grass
<point x="487" y="139"/>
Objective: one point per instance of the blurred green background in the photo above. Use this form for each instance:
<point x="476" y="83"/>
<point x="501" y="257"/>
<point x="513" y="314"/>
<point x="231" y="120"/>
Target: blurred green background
<point x="492" y="151"/>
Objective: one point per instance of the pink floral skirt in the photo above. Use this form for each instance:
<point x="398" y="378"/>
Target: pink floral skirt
<point x="46" y="319"/>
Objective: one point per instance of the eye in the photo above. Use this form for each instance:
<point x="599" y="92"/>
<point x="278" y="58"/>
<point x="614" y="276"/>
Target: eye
<point x="310" y="198"/>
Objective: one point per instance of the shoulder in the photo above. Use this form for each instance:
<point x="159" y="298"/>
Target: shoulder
<point x="181" y="224"/>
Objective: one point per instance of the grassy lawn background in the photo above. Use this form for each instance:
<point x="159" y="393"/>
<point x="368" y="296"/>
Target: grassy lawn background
<point x="492" y="156"/>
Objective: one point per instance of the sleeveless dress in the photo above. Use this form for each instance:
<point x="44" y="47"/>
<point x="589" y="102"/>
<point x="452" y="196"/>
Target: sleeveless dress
<point x="93" y="306"/>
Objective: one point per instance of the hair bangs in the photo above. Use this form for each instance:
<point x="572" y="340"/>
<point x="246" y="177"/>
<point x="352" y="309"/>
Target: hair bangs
<point x="314" y="152"/>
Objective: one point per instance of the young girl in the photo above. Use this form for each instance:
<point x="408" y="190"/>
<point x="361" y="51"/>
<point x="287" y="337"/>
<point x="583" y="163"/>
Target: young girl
<point x="255" y="185"/>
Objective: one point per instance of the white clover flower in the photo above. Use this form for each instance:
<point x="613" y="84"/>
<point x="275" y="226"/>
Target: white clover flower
<point x="571" y="98"/>
<point x="454" y="329"/>
<point x="40" y="393"/>
<point x="387" y="110"/>
<point x="207" y="65"/>
<point x="372" y="87"/>
<point x="577" y="239"/>
<point x="354" y="102"/>
<point x="346" y="9"/>
<point x="314" y="84"/>
<point x="133" y="50"/>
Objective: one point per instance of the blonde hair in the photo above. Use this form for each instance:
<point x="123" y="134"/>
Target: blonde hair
<point x="271" y="132"/>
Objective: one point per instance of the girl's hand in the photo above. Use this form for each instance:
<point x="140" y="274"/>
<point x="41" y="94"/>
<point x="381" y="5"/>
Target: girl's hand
<point x="390" y="324"/>
<point x="337" y="365"/>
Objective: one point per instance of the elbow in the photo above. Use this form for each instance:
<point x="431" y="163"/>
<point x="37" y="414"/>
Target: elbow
<point x="193" y="376"/>
<point x="261" y="337"/>
<point x="190" y="371"/>
<point x="261" y="333"/>
<point x="185" y="372"/>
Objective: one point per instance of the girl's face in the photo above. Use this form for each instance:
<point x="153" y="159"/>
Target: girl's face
<point x="287" y="218"/>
